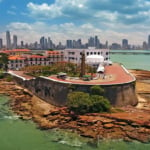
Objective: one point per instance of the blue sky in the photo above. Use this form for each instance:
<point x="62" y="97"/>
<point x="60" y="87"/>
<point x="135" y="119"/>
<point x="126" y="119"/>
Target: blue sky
<point x="111" y="20"/>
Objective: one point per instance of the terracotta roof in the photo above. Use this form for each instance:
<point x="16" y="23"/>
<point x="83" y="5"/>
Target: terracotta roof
<point x="20" y="50"/>
<point x="36" y="56"/>
<point x="16" y="58"/>
<point x="16" y="50"/>
<point x="54" y="52"/>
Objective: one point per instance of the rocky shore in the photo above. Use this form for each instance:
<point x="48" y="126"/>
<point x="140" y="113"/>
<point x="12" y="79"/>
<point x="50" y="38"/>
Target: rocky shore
<point x="128" y="123"/>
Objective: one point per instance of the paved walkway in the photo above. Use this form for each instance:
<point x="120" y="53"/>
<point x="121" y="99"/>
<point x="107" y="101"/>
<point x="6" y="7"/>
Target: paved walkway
<point x="115" y="74"/>
<point x="20" y="74"/>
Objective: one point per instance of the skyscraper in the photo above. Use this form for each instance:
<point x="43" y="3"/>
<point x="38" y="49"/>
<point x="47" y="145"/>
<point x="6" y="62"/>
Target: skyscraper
<point x="50" y="43"/>
<point x="1" y="43"/>
<point x="22" y="44"/>
<point x="8" y="40"/>
<point x="14" y="41"/>
<point x="125" y="44"/>
<point x="42" y="42"/>
<point x="91" y="42"/>
<point x="97" y="42"/>
<point x="149" y="42"/>
<point x="69" y="44"/>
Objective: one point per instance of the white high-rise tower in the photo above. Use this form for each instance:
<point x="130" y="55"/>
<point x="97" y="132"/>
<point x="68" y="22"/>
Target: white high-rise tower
<point x="14" y="41"/>
<point x="8" y="40"/>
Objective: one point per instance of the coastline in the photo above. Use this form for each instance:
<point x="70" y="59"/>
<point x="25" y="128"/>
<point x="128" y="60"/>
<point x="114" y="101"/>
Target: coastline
<point x="128" y="123"/>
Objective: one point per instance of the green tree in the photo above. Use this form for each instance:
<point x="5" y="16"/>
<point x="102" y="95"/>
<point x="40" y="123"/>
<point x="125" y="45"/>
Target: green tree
<point x="97" y="90"/>
<point x="3" y="61"/>
<point x="99" y="104"/>
<point x="79" y="102"/>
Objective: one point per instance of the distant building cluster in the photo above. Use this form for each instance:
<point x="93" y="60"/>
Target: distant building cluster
<point x="47" y="43"/>
<point x="19" y="58"/>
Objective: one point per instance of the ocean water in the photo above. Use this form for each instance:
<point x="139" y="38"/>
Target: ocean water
<point x="16" y="134"/>
<point x="132" y="61"/>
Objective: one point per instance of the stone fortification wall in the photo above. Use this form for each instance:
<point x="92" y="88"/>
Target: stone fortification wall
<point x="56" y="93"/>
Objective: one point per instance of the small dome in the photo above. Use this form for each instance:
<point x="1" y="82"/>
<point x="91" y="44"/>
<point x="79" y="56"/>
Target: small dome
<point x="94" y="59"/>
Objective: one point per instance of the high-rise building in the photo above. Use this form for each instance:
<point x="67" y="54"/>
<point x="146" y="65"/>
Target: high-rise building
<point x="149" y="42"/>
<point x="69" y="44"/>
<point x="79" y="43"/>
<point x="97" y="42"/>
<point x="22" y="44"/>
<point x="42" y="42"/>
<point x="91" y="42"/>
<point x="1" y="43"/>
<point x="125" y="44"/>
<point x="94" y="42"/>
<point x="14" y="41"/>
<point x="8" y="40"/>
<point x="49" y="43"/>
<point x="145" y="46"/>
<point x="45" y="44"/>
<point x="106" y="44"/>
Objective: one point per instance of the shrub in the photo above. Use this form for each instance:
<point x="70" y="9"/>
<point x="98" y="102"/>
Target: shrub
<point x="99" y="104"/>
<point x="96" y="90"/>
<point x="80" y="103"/>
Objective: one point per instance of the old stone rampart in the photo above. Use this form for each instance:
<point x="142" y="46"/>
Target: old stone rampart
<point x="56" y="92"/>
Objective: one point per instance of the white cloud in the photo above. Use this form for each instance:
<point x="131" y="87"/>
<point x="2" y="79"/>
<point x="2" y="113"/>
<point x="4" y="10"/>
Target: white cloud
<point x="16" y="26"/>
<point x="58" y="9"/>
<point x="87" y="10"/>
<point x="44" y="10"/>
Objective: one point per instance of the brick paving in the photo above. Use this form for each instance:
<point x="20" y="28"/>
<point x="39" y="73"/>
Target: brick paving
<point x="115" y="74"/>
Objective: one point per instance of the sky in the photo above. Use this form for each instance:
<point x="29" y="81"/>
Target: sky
<point x="111" y="20"/>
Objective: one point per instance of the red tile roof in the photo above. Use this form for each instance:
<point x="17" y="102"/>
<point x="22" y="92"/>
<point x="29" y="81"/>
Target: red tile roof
<point x="54" y="52"/>
<point x="20" y="50"/>
<point x="16" y="58"/>
<point x="16" y="50"/>
<point x="36" y="56"/>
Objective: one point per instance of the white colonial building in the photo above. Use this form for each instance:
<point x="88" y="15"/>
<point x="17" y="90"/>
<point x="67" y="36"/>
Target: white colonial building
<point x="74" y="55"/>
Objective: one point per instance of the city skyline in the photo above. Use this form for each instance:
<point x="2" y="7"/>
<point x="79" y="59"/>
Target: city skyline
<point x="47" y="43"/>
<point x="111" y="20"/>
